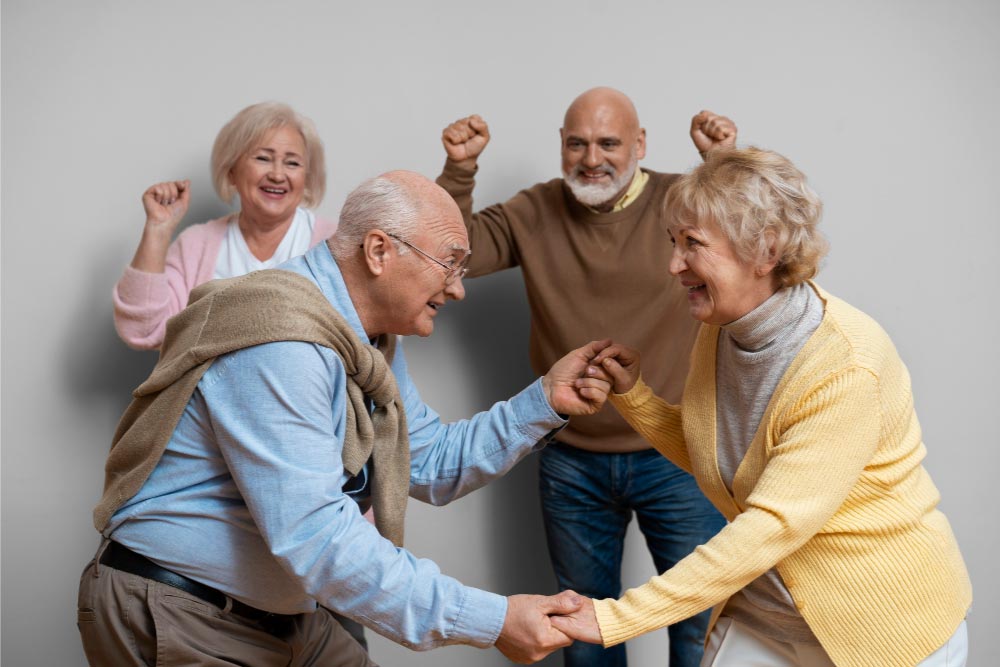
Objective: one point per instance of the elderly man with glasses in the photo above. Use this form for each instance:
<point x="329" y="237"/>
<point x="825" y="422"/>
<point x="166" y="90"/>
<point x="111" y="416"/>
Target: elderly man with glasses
<point x="279" y="411"/>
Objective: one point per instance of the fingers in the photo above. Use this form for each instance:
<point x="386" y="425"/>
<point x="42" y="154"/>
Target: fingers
<point x="709" y="129"/>
<point x="464" y="129"/>
<point x="564" y="603"/>
<point x="614" y="350"/>
<point x="479" y="125"/>
<point x="168" y="192"/>
<point x="620" y="376"/>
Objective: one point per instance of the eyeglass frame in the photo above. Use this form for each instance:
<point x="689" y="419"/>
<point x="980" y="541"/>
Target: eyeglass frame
<point x="451" y="273"/>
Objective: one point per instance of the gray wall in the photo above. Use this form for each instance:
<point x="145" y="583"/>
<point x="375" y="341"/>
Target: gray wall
<point x="890" y="109"/>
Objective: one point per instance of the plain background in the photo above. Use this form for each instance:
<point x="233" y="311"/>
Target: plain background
<point x="890" y="108"/>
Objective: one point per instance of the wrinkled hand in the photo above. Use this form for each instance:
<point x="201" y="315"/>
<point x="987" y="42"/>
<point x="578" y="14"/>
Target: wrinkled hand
<point x="710" y="130"/>
<point x="166" y="204"/>
<point x="465" y="139"/>
<point x="580" y="624"/>
<point x="569" y="391"/>
<point x="618" y="364"/>
<point x="527" y="635"/>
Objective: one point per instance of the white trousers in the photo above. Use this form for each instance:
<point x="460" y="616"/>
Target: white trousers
<point x="733" y="644"/>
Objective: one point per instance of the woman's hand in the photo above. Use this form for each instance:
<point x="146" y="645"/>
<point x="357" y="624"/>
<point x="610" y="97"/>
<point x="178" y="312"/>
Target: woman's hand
<point x="580" y="624"/>
<point x="619" y="362"/>
<point x="166" y="204"/>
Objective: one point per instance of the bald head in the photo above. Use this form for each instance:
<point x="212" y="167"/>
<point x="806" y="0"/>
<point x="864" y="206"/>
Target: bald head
<point x="602" y="144"/>
<point x="425" y="195"/>
<point x="606" y="102"/>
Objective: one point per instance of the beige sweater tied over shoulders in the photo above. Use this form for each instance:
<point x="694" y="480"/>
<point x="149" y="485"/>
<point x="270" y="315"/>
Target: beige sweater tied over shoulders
<point x="265" y="307"/>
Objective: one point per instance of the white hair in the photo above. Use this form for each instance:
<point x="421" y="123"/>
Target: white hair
<point x="378" y="203"/>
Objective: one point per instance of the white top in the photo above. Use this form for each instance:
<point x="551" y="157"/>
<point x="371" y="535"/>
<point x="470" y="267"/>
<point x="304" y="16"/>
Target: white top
<point x="235" y="258"/>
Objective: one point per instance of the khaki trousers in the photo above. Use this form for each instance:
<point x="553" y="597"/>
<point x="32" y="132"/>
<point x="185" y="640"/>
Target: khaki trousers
<point x="129" y="620"/>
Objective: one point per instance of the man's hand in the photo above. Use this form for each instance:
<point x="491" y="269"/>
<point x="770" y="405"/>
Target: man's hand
<point x="569" y="391"/>
<point x="580" y="624"/>
<point x="617" y="364"/>
<point x="465" y="139"/>
<point x="710" y="130"/>
<point x="527" y="635"/>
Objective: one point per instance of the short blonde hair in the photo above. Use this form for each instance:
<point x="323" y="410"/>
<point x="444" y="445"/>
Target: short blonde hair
<point x="761" y="202"/>
<point x="247" y="129"/>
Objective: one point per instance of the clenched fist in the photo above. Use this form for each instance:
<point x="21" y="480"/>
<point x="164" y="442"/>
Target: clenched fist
<point x="465" y="139"/>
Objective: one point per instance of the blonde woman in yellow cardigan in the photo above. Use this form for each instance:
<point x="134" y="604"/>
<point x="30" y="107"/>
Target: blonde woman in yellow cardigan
<point x="797" y="421"/>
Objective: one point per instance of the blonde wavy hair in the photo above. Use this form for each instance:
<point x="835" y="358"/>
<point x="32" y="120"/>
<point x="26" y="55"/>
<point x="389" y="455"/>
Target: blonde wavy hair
<point x="761" y="202"/>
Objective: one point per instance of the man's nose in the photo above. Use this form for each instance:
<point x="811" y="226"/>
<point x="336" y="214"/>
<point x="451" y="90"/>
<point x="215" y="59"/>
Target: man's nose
<point x="592" y="157"/>
<point x="455" y="290"/>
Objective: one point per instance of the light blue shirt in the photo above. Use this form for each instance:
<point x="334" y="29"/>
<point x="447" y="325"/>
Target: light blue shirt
<point x="250" y="498"/>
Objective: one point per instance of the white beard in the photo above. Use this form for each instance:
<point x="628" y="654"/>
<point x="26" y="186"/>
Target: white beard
<point x="595" y="194"/>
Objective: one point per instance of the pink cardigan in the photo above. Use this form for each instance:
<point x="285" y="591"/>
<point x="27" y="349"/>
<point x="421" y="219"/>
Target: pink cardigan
<point x="145" y="301"/>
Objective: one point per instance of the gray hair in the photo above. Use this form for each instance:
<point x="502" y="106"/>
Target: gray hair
<point x="378" y="203"/>
<point x="246" y="130"/>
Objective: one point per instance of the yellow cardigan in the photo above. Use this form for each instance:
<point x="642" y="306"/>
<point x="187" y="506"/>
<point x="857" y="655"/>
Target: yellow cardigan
<point x="831" y="491"/>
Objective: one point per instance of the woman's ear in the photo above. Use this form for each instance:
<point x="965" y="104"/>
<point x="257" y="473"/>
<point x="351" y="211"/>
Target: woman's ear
<point x="767" y="265"/>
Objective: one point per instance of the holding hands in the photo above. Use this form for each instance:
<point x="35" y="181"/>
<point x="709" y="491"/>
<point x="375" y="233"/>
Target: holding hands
<point x="617" y="364"/>
<point x="537" y="625"/>
<point x="569" y="385"/>
<point x="465" y="139"/>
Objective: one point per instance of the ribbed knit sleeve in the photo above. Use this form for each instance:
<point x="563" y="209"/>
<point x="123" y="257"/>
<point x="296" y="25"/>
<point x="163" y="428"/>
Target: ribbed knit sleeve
<point x="827" y="436"/>
<point x="655" y="420"/>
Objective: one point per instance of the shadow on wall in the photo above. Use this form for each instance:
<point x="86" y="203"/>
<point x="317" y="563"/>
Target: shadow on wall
<point x="492" y="326"/>
<point x="102" y="371"/>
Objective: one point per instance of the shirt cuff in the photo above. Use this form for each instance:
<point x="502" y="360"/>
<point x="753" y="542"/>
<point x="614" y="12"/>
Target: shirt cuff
<point x="481" y="618"/>
<point x="537" y="418"/>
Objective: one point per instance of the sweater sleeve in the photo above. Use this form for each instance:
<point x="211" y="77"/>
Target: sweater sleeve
<point x="655" y="420"/>
<point x="827" y="437"/>
<point x="490" y="234"/>
<point x="143" y="301"/>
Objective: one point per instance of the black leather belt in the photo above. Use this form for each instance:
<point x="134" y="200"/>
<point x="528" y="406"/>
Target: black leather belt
<point x="122" y="558"/>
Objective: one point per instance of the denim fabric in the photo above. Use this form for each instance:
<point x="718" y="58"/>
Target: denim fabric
<point x="588" y="499"/>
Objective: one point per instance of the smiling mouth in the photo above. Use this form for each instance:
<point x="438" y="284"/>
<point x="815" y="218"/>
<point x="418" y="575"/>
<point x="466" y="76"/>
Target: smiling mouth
<point x="275" y="191"/>
<point x="434" y="306"/>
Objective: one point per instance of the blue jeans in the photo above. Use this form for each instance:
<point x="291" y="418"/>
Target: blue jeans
<point x="587" y="503"/>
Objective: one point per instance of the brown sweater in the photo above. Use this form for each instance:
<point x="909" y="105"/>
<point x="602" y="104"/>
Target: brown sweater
<point x="588" y="276"/>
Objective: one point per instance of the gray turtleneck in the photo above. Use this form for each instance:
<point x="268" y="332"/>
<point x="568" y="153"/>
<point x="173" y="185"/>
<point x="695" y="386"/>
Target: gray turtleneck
<point x="753" y="354"/>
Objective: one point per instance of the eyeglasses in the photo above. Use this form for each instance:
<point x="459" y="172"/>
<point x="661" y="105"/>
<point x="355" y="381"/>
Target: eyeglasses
<point x="452" y="272"/>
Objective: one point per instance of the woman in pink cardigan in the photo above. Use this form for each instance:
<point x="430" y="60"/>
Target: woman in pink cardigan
<point x="272" y="158"/>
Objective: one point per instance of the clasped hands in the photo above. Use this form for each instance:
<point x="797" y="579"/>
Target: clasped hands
<point x="537" y="625"/>
<point x="579" y="383"/>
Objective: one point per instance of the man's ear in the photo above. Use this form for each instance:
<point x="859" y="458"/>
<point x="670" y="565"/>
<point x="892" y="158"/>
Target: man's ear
<point x="640" y="144"/>
<point x="377" y="249"/>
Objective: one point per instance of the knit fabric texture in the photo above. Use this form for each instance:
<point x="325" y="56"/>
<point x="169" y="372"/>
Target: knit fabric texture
<point x="831" y="492"/>
<point x="265" y="307"/>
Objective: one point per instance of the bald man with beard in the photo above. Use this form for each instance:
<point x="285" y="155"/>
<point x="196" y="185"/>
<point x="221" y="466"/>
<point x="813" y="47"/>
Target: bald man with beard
<point x="593" y="251"/>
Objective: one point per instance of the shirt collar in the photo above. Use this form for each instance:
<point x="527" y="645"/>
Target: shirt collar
<point x="323" y="269"/>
